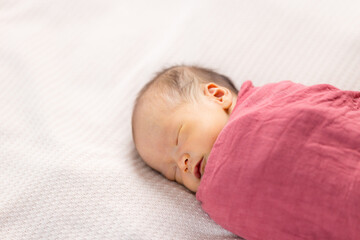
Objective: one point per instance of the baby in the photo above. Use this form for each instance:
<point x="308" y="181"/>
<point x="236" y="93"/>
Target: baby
<point x="282" y="160"/>
<point x="177" y="117"/>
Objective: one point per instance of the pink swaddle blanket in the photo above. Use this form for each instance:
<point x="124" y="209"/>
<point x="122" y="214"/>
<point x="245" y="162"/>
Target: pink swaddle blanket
<point x="287" y="164"/>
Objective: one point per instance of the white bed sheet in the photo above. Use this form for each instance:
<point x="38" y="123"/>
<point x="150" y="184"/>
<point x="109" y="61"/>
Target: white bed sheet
<point x="70" y="71"/>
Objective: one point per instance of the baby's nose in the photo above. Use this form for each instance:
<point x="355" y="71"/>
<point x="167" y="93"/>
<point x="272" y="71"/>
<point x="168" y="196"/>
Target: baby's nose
<point x="186" y="167"/>
<point x="184" y="163"/>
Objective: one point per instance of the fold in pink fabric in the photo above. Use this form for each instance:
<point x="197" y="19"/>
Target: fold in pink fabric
<point x="287" y="164"/>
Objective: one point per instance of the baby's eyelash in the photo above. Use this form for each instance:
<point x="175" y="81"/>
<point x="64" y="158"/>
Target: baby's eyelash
<point x="177" y="137"/>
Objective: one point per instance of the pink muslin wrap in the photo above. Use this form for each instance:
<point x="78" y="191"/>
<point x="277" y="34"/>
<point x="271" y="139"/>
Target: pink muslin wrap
<point x="287" y="164"/>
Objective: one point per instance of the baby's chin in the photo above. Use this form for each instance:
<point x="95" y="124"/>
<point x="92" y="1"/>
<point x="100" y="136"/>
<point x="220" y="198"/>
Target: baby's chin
<point x="194" y="187"/>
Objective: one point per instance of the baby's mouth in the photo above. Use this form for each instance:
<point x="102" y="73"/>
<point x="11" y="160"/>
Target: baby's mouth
<point x="197" y="169"/>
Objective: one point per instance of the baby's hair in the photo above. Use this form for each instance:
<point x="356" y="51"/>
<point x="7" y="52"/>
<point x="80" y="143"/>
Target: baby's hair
<point x="179" y="84"/>
<point x="182" y="80"/>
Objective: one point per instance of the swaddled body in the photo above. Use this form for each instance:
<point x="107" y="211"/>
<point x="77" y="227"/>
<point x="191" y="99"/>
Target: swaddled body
<point x="287" y="164"/>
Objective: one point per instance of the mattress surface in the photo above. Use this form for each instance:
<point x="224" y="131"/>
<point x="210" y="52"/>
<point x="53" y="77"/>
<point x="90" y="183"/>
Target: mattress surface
<point x="69" y="74"/>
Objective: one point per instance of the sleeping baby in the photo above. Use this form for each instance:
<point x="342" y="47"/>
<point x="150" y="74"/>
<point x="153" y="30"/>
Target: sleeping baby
<point x="281" y="161"/>
<point x="177" y="118"/>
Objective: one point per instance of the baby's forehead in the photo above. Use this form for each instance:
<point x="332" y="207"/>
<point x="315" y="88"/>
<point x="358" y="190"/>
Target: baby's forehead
<point x="151" y="107"/>
<point x="152" y="130"/>
<point x="150" y="115"/>
<point x="157" y="103"/>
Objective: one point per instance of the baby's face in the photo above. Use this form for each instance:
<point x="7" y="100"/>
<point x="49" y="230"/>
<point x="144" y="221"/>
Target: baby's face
<point x="177" y="143"/>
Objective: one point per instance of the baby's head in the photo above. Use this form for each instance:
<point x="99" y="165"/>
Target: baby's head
<point x="177" y="117"/>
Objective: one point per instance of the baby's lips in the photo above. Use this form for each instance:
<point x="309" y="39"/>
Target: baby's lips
<point x="197" y="169"/>
<point x="202" y="166"/>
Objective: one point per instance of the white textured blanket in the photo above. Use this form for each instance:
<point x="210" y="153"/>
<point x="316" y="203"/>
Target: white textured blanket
<point x="70" y="71"/>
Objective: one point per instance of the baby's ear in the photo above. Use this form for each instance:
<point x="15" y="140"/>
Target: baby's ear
<point x="219" y="94"/>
